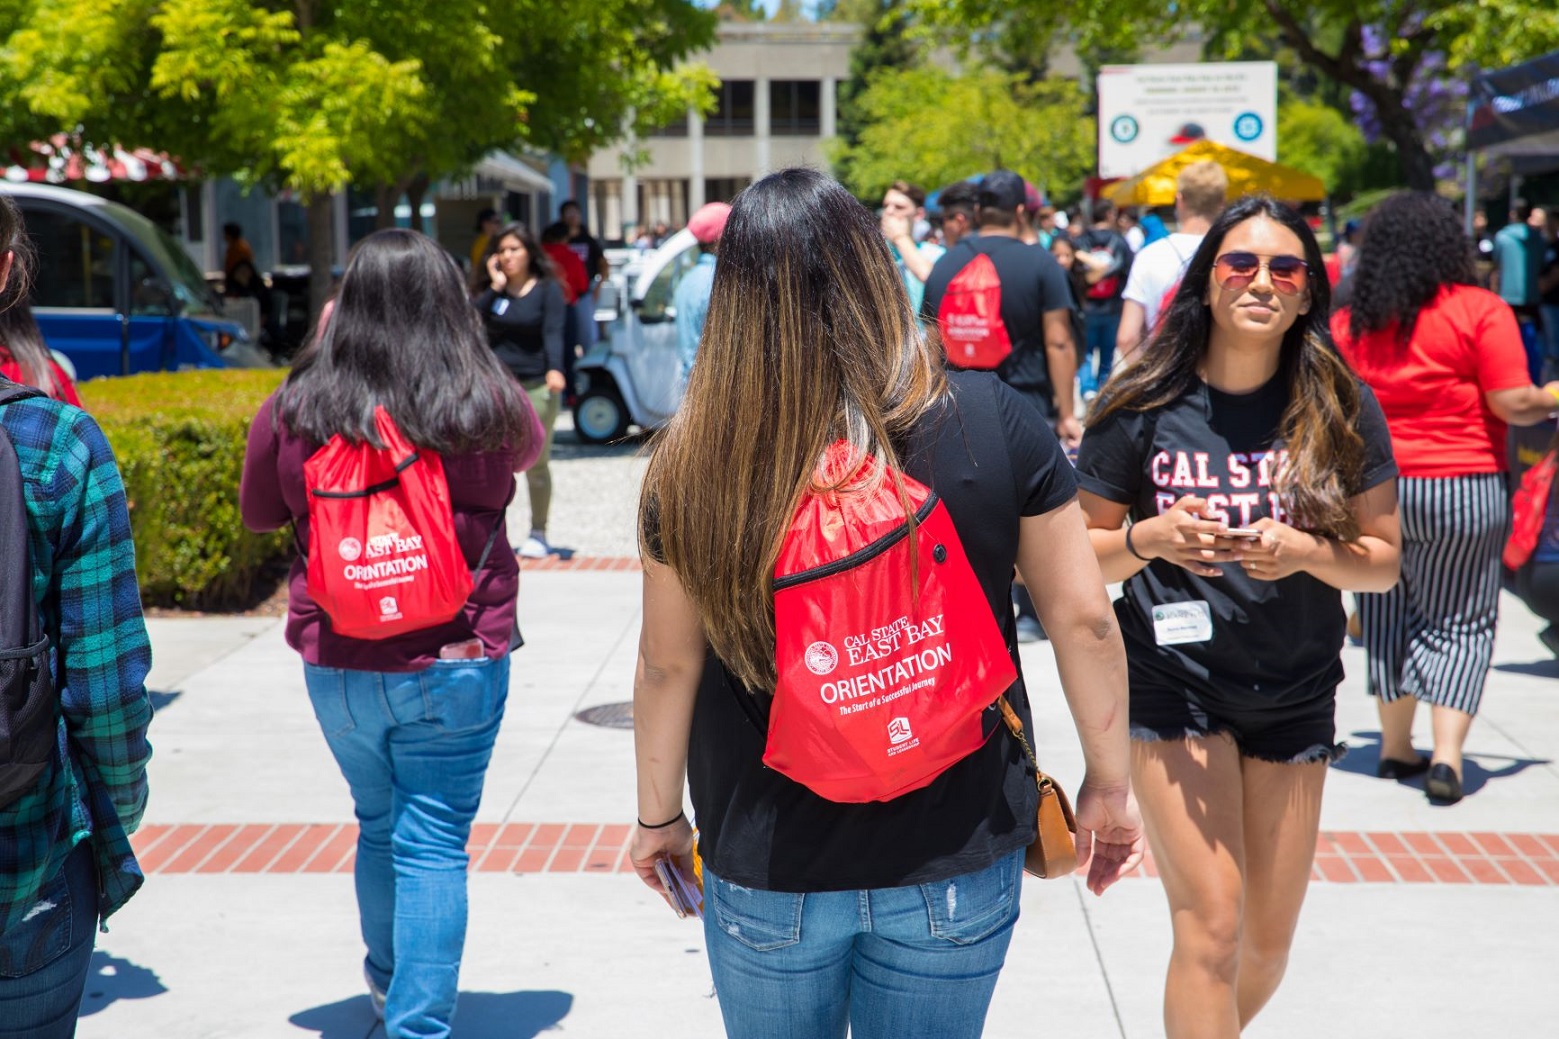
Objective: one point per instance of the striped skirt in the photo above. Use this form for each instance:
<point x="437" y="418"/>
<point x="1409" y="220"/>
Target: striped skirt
<point x="1432" y="636"/>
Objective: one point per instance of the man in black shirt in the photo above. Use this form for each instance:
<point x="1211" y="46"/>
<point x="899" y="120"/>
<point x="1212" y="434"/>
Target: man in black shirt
<point x="1036" y="308"/>
<point x="587" y="247"/>
<point x="1035" y="303"/>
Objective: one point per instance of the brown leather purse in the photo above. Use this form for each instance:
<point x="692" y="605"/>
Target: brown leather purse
<point x="1054" y="851"/>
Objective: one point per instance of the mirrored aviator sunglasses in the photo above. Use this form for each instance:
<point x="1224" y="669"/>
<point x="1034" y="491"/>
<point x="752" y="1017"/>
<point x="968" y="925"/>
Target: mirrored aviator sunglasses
<point x="1289" y="274"/>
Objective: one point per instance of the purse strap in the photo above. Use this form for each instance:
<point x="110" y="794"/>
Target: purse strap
<point x="1015" y="726"/>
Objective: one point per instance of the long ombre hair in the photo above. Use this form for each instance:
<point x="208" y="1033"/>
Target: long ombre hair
<point x="1319" y="427"/>
<point x="809" y="339"/>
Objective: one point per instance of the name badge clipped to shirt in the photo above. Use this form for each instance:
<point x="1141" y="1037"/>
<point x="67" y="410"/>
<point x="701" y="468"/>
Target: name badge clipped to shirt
<point x="1177" y="623"/>
<point x="501" y="306"/>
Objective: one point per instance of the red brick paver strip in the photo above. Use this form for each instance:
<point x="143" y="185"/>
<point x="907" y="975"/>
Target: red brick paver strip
<point x="1342" y="857"/>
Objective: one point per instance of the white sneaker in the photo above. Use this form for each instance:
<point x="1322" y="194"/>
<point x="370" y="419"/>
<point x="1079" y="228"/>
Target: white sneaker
<point x="375" y="994"/>
<point x="535" y="547"/>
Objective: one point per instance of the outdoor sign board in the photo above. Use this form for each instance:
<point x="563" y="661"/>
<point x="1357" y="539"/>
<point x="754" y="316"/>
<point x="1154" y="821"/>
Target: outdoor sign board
<point x="1149" y="112"/>
<point x="1516" y="110"/>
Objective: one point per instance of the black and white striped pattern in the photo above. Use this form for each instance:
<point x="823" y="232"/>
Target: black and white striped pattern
<point x="1432" y="636"/>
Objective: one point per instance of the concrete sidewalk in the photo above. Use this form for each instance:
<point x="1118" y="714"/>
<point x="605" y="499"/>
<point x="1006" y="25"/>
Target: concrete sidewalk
<point x="247" y="924"/>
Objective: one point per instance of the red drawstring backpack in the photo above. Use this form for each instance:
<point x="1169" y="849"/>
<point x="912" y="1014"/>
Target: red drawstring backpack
<point x="885" y="665"/>
<point x="382" y="557"/>
<point x="1529" y="507"/>
<point x="973" y="333"/>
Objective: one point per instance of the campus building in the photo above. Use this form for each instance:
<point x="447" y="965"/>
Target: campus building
<point x="777" y="107"/>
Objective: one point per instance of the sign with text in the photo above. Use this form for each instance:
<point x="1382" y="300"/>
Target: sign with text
<point x="1149" y="112"/>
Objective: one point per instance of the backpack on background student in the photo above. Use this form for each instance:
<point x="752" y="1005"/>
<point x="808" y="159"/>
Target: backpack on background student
<point x="382" y="557"/>
<point x="969" y="317"/>
<point x="887" y="652"/>
<point x="29" y="706"/>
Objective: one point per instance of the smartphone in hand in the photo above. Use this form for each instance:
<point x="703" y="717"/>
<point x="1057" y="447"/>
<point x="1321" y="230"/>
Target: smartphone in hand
<point x="685" y="898"/>
<point x="1243" y="533"/>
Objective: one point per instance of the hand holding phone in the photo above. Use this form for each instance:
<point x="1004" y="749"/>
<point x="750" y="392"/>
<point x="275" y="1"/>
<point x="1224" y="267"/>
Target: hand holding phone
<point x="1243" y="533"/>
<point x="683" y="895"/>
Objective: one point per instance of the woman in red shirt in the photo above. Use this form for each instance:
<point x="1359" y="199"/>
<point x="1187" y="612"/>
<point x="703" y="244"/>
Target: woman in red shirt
<point x="1445" y="359"/>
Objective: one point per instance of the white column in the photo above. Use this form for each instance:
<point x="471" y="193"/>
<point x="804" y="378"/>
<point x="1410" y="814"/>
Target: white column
<point x="695" y="155"/>
<point x="630" y="204"/>
<point x="827" y="106"/>
<point x="760" y="127"/>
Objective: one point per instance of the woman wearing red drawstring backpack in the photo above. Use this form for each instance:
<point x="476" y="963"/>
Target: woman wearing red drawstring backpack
<point x="886" y="917"/>
<point x="411" y="719"/>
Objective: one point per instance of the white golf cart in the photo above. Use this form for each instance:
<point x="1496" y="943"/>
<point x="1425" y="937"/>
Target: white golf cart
<point x="633" y="377"/>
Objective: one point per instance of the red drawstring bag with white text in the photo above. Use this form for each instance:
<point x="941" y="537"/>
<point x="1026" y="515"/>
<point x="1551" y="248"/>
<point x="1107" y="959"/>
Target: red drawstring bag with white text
<point x="969" y="317"/>
<point x="886" y="647"/>
<point x="382" y="556"/>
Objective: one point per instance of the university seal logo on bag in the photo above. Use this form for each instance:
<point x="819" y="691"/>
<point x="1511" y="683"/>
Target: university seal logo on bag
<point x="886" y="648"/>
<point x="383" y="559"/>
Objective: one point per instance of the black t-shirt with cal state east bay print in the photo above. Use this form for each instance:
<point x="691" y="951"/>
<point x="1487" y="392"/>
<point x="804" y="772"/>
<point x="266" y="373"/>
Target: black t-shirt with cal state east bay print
<point x="1275" y="642"/>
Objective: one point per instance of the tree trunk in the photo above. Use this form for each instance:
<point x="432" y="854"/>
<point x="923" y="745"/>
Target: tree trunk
<point x="416" y="191"/>
<point x="1413" y="156"/>
<point x="385" y="198"/>
<point x="322" y="249"/>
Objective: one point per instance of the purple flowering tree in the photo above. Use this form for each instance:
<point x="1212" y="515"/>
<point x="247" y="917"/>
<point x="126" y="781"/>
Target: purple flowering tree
<point x="1434" y="98"/>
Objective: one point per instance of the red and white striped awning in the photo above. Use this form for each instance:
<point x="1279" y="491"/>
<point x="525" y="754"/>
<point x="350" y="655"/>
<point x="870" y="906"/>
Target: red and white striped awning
<point x="62" y="158"/>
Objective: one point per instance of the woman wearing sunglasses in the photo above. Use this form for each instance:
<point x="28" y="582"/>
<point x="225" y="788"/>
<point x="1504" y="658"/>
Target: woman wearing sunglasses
<point x="1446" y="359"/>
<point x="1257" y="475"/>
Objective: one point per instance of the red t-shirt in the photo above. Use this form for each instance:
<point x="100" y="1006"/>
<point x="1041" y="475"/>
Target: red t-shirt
<point x="64" y="389"/>
<point x="1465" y="344"/>
<point x="571" y="271"/>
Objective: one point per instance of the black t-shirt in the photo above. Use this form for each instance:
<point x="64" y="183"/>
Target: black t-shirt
<point x="1274" y="642"/>
<point x="1099" y="239"/>
<point x="992" y="459"/>
<point x="526" y="332"/>
<point x="588" y="248"/>
<point x="1032" y="283"/>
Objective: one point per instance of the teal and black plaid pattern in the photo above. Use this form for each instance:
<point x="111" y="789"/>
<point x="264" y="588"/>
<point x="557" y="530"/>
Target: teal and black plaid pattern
<point x="84" y="579"/>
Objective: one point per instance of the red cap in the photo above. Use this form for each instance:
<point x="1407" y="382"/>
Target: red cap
<point x="708" y="224"/>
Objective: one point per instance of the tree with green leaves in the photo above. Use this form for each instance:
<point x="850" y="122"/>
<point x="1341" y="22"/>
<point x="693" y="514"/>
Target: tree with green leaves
<point x="1380" y="49"/>
<point x="313" y="96"/>
<point x="931" y="126"/>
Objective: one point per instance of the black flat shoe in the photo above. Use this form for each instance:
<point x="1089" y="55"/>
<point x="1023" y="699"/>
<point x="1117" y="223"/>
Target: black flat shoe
<point x="1391" y="768"/>
<point x="1442" y="784"/>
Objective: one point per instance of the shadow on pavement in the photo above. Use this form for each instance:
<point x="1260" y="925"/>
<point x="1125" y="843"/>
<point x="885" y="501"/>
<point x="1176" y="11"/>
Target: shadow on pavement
<point x="1363" y="757"/>
<point x="161" y="699"/>
<point x="1538" y="668"/>
<point x="111" y="978"/>
<point x="478" y="1015"/>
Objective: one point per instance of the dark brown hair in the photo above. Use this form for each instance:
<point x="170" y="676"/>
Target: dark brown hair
<point x="809" y="339"/>
<point x="1320" y="426"/>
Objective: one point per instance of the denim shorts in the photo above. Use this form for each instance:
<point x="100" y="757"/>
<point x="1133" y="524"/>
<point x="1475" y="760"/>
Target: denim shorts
<point x="1291" y="734"/>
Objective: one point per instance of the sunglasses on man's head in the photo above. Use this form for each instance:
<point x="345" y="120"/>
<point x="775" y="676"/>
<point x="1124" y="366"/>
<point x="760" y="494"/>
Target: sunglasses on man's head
<point x="1289" y="274"/>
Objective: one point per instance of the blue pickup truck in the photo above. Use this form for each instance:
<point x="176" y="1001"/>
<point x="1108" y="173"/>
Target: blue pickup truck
<point x="116" y="294"/>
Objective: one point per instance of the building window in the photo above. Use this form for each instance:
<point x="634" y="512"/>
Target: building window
<point x="733" y="114"/>
<point x="795" y="107"/>
<point x="723" y="189"/>
<point x="676" y="128"/>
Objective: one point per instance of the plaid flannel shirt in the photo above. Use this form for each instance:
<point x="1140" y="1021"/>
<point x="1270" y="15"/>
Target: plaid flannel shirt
<point x="84" y="579"/>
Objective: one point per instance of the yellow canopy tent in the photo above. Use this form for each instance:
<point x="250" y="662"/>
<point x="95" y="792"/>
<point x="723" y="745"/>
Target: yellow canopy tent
<point x="1155" y="186"/>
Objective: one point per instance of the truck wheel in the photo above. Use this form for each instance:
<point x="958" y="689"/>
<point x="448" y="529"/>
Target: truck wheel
<point x="600" y="417"/>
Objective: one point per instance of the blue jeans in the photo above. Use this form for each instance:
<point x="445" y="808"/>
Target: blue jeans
<point x="886" y="963"/>
<point x="414" y="749"/>
<point x="44" y="960"/>
<point x="1098" y="341"/>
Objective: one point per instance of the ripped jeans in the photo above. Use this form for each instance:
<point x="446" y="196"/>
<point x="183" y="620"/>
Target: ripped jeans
<point x="44" y="959"/>
<point x="887" y="962"/>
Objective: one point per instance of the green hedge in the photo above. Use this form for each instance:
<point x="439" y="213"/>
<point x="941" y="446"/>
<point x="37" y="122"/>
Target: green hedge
<point x="179" y="438"/>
